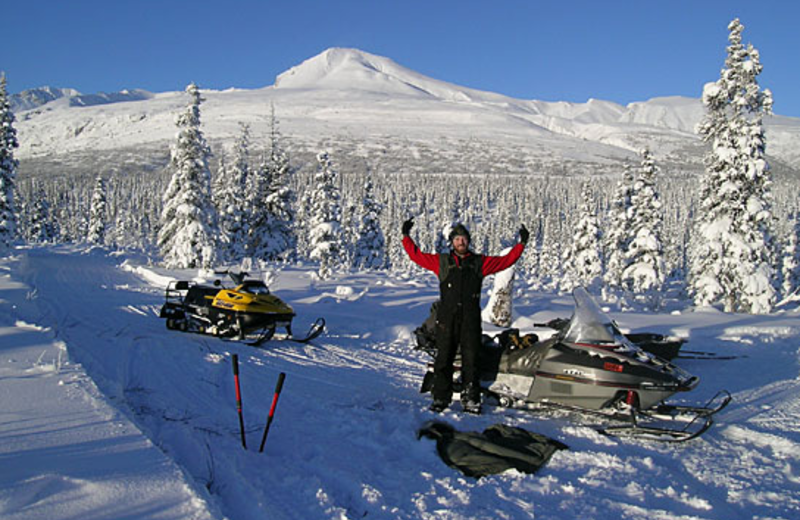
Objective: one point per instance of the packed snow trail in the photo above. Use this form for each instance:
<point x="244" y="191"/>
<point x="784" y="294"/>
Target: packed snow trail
<point x="343" y="443"/>
<point x="65" y="451"/>
<point x="178" y="388"/>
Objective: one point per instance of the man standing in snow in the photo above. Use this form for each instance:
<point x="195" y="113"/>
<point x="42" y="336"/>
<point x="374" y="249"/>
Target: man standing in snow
<point x="458" y="317"/>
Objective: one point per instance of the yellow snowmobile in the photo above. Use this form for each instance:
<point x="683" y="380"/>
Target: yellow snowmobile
<point x="247" y="310"/>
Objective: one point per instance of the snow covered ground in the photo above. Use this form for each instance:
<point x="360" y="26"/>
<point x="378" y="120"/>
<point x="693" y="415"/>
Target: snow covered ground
<point x="106" y="414"/>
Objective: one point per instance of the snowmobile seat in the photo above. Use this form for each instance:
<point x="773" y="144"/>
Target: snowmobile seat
<point x="200" y="295"/>
<point x="662" y="346"/>
<point x="524" y="361"/>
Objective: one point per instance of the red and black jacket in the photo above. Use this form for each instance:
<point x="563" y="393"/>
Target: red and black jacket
<point x="460" y="278"/>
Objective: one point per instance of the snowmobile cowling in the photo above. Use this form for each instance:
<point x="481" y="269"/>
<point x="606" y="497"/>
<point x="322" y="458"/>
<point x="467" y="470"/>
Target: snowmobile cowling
<point x="252" y="299"/>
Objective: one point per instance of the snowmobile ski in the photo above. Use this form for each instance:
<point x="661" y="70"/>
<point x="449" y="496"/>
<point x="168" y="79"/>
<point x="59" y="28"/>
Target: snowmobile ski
<point x="317" y="328"/>
<point x="663" y="434"/>
<point x="663" y="422"/>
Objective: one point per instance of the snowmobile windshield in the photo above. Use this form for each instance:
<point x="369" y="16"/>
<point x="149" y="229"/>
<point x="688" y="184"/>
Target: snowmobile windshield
<point x="591" y="327"/>
<point x="589" y="324"/>
<point x="254" y="287"/>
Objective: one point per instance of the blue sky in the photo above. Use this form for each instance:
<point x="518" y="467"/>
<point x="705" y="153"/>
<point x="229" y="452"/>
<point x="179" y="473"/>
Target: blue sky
<point x="621" y="51"/>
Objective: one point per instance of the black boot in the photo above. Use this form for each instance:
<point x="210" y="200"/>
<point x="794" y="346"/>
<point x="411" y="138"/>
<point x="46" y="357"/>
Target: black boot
<point x="438" y="406"/>
<point x="471" y="406"/>
<point x="471" y="400"/>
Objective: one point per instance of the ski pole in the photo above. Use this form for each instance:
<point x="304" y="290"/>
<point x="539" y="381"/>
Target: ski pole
<point x="238" y="397"/>
<point x="278" y="388"/>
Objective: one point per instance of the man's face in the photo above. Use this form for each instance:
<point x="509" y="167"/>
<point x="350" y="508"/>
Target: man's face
<point x="460" y="244"/>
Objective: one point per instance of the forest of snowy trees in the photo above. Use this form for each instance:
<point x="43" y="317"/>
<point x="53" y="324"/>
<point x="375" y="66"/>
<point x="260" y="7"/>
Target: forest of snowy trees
<point x="634" y="237"/>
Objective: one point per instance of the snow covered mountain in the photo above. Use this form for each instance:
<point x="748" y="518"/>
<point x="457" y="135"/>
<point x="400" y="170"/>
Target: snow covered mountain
<point x="28" y="99"/>
<point x="33" y="98"/>
<point x="366" y="106"/>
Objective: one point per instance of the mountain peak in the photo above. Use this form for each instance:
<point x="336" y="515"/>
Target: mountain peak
<point x="347" y="69"/>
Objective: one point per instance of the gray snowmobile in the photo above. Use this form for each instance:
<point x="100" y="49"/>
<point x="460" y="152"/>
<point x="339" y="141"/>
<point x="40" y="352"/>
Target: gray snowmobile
<point x="589" y="366"/>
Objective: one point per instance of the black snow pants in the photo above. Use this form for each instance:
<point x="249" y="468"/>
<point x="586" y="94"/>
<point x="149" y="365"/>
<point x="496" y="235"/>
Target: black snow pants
<point x="458" y="327"/>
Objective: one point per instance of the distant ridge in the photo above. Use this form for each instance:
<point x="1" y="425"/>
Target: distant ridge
<point x="34" y="98"/>
<point x="354" y="100"/>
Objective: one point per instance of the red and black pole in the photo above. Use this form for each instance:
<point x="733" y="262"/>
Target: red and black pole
<point x="238" y="398"/>
<point x="278" y="389"/>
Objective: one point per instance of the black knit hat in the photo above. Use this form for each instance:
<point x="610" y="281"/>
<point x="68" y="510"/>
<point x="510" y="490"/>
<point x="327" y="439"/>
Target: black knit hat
<point x="459" y="229"/>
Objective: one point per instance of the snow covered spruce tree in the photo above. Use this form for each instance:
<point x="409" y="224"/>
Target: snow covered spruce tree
<point x="133" y="207"/>
<point x="350" y="225"/>
<point x="549" y="267"/>
<point x="271" y="199"/>
<point x="644" y="274"/>
<point x="731" y="253"/>
<point x="188" y="220"/>
<point x="325" y="215"/>
<point x="618" y="234"/>
<point x="230" y="200"/>
<point x="790" y="258"/>
<point x="97" y="214"/>
<point x="370" y="248"/>
<point x="41" y="227"/>
<point x="8" y="169"/>
<point x="583" y="261"/>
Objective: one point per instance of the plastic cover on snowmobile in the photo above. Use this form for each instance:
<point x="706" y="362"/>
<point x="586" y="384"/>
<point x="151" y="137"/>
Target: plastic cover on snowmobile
<point x="589" y="325"/>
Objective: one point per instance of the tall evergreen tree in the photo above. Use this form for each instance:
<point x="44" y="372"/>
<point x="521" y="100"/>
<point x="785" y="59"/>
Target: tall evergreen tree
<point x="325" y="230"/>
<point x="644" y="276"/>
<point x="188" y="221"/>
<point x="731" y="257"/>
<point x="97" y="214"/>
<point x="233" y="211"/>
<point x="350" y="226"/>
<point x="583" y="260"/>
<point x="8" y="169"/>
<point x="370" y="249"/>
<point x="790" y="258"/>
<point x="619" y="236"/>
<point x="549" y="266"/>
<point x="303" y="247"/>
<point x="272" y="200"/>
<point x="41" y="227"/>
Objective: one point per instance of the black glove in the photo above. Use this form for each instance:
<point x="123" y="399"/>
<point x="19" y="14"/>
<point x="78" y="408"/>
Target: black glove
<point x="524" y="234"/>
<point x="407" y="225"/>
